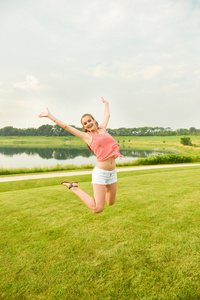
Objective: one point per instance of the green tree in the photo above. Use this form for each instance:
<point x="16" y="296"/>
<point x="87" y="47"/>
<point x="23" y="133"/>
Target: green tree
<point x="45" y="130"/>
<point x="9" y="131"/>
<point x="183" y="131"/>
<point x="192" y="130"/>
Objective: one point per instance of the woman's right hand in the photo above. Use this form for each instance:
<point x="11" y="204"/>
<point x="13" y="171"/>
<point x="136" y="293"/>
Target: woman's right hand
<point x="44" y="113"/>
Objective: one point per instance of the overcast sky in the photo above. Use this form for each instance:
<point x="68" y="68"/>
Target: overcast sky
<point x="142" y="56"/>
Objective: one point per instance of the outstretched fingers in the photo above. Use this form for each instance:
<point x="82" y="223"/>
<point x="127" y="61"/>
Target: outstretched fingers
<point x="44" y="113"/>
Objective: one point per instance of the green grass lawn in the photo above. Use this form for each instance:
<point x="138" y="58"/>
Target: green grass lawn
<point x="146" y="246"/>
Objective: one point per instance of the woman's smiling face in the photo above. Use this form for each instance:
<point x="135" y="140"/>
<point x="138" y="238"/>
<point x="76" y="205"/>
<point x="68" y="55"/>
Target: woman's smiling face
<point x="89" y="123"/>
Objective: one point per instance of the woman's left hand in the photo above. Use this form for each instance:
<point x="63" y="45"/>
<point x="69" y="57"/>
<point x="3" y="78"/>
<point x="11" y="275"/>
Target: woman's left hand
<point x="103" y="100"/>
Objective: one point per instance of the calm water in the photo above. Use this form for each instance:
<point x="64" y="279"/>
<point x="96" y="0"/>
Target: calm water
<point x="34" y="157"/>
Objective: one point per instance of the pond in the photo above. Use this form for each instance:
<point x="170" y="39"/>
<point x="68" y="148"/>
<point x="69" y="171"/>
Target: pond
<point x="14" y="157"/>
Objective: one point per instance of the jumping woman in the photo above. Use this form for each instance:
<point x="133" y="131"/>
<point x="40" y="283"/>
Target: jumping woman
<point x="104" y="175"/>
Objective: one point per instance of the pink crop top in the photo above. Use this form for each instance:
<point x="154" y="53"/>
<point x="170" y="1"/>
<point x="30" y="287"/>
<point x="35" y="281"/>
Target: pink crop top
<point x="104" y="146"/>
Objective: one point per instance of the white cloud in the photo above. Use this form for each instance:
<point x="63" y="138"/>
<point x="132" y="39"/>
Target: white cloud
<point x="100" y="71"/>
<point x="151" y="72"/>
<point x="3" y="88"/>
<point x="3" y="91"/>
<point x="25" y="103"/>
<point x="104" y="71"/>
<point x="30" y="84"/>
<point x="197" y="73"/>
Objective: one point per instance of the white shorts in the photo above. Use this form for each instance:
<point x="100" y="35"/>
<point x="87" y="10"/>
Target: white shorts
<point x="104" y="177"/>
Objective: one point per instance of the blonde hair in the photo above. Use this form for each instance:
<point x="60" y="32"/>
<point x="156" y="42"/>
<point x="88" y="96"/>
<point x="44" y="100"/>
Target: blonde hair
<point x="84" y="129"/>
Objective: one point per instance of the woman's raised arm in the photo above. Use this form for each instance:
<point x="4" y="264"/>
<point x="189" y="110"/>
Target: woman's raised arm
<point x="82" y="135"/>
<point x="106" y="113"/>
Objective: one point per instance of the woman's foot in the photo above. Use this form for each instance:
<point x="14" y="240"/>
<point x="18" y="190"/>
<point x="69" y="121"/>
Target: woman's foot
<point x="70" y="185"/>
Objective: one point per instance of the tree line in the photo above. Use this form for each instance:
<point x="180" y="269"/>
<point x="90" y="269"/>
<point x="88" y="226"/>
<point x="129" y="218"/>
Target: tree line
<point x="55" y="130"/>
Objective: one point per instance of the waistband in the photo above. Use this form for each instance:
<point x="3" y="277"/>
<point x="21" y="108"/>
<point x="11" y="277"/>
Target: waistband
<point x="105" y="171"/>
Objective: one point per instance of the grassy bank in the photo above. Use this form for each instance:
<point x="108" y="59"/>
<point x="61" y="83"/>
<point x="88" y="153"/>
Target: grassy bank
<point x="161" y="142"/>
<point x="147" y="141"/>
<point x="146" y="246"/>
<point x="40" y="142"/>
<point x="155" y="160"/>
<point x="169" y="143"/>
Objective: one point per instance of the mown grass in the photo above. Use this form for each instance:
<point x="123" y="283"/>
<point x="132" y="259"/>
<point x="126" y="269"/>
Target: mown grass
<point x="146" y="246"/>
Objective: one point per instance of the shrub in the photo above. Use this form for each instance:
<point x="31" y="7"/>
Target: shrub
<point x="165" y="159"/>
<point x="186" y="141"/>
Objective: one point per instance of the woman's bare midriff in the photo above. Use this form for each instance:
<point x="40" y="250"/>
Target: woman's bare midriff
<point x="108" y="164"/>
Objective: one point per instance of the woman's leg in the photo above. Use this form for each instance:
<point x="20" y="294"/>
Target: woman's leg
<point x="97" y="203"/>
<point x="111" y="193"/>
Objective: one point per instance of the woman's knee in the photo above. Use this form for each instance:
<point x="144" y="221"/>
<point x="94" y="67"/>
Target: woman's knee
<point x="110" y="203"/>
<point x="98" y="210"/>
